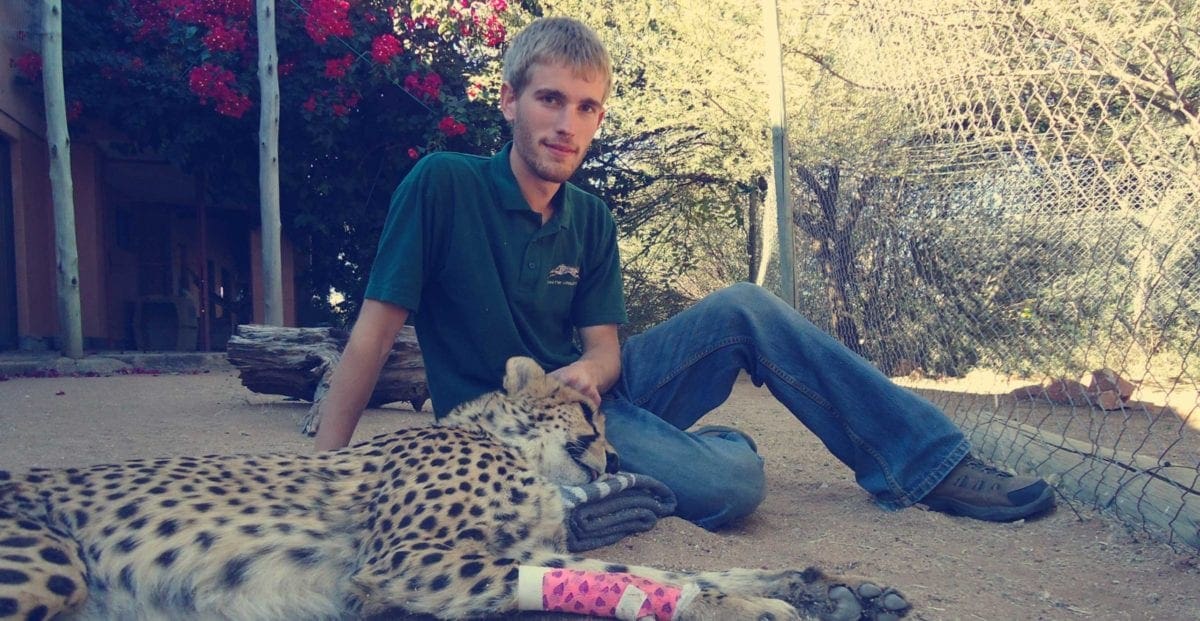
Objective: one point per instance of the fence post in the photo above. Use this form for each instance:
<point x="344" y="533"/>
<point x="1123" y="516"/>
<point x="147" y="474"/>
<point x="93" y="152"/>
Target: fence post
<point x="779" y="160"/>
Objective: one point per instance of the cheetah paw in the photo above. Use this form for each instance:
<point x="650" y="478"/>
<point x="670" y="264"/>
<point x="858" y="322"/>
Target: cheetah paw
<point x="837" y="598"/>
<point x="866" y="601"/>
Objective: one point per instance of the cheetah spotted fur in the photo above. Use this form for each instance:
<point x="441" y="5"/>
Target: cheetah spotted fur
<point x="434" y="521"/>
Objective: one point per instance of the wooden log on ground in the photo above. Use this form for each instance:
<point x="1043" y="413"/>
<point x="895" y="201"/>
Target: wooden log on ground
<point x="1163" y="498"/>
<point x="299" y="362"/>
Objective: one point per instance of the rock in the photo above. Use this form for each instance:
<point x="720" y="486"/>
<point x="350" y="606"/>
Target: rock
<point x="1110" y="400"/>
<point x="1066" y="392"/>
<point x="1028" y="393"/>
<point x="1105" y="380"/>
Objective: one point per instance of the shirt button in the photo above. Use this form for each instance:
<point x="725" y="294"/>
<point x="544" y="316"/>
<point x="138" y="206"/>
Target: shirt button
<point x="531" y="265"/>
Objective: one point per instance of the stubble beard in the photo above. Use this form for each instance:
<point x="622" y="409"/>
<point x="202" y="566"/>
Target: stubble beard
<point x="527" y="149"/>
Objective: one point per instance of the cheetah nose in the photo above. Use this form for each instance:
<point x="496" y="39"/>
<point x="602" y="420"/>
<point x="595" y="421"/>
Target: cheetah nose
<point x="612" y="463"/>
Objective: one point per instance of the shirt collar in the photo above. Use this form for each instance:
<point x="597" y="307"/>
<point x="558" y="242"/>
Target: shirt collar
<point x="510" y="195"/>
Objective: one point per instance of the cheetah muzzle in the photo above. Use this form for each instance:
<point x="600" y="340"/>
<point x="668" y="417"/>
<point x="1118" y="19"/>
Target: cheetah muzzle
<point x="440" y="520"/>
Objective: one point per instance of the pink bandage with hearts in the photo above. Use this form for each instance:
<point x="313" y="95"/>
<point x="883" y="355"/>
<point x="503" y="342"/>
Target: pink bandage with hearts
<point x="612" y="595"/>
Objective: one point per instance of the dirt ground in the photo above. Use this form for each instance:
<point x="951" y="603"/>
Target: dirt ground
<point x="1072" y="565"/>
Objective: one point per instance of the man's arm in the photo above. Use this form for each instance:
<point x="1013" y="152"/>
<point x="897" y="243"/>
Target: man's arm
<point x="599" y="367"/>
<point x="357" y="372"/>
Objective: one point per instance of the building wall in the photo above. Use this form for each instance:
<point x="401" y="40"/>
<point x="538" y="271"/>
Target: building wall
<point x="115" y="195"/>
<point x="90" y="242"/>
<point x="33" y="240"/>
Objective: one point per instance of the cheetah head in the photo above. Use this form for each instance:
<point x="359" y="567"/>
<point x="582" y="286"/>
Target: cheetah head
<point x="551" y="424"/>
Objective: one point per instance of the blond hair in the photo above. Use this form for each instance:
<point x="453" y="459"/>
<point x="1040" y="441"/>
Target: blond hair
<point x="551" y="40"/>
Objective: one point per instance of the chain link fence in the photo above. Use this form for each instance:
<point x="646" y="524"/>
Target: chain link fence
<point x="1021" y="245"/>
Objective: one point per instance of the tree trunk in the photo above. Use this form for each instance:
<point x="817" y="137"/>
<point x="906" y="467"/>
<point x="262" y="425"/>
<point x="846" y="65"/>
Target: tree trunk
<point x="61" y="186"/>
<point x="268" y="164"/>
<point x="754" y="237"/>
<point x="836" y="261"/>
<point x="299" y="362"/>
<point x="780" y="163"/>
<point x="831" y="246"/>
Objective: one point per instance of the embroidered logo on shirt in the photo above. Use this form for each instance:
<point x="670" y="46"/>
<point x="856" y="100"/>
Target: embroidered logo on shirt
<point x="563" y="275"/>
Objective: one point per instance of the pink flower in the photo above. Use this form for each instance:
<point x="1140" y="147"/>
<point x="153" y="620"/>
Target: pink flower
<point x="451" y="127"/>
<point x="234" y="105"/>
<point x="327" y="18"/>
<point x="216" y="83"/>
<point x="74" y="110"/>
<point x="223" y="39"/>
<point x="336" y="67"/>
<point x="154" y="18"/>
<point x="385" y="47"/>
<point x="28" y="65"/>
<point x="474" y="91"/>
<point x="210" y="12"/>
<point x="413" y="153"/>
<point x="495" y="33"/>
<point x="427" y="88"/>
<point x="209" y="80"/>
<point x="499" y="6"/>
<point x="310" y="104"/>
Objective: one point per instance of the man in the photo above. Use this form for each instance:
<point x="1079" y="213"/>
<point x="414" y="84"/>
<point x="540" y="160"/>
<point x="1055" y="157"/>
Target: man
<point x="501" y="257"/>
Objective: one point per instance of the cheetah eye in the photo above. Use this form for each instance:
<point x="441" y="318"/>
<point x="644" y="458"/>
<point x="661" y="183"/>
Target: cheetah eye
<point x="588" y="412"/>
<point x="576" y="448"/>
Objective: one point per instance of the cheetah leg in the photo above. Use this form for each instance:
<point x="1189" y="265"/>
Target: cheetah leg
<point x="453" y="584"/>
<point x="41" y="572"/>
<point x="756" y="594"/>
<point x="447" y="584"/>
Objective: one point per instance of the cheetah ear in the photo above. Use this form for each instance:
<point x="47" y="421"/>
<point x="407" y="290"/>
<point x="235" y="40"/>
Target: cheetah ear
<point x="521" y="373"/>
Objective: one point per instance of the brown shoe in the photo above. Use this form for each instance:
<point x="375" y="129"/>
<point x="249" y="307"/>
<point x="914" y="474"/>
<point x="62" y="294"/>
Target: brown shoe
<point x="977" y="490"/>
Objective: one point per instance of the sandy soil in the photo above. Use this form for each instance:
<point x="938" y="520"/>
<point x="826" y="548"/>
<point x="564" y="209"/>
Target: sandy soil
<point x="1071" y="565"/>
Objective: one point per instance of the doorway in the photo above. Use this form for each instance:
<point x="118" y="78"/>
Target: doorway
<point x="8" y="253"/>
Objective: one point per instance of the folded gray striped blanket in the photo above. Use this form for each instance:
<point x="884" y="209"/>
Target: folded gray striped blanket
<point x="614" y="506"/>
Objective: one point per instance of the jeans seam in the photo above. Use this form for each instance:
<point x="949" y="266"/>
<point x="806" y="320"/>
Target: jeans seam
<point x="934" y="477"/>
<point x="691" y="361"/>
<point x="796" y="385"/>
<point x="800" y="387"/>
<point x="902" y="498"/>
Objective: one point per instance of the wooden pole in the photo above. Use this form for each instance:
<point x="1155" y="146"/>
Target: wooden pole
<point x="58" y="139"/>
<point x="754" y="233"/>
<point x="268" y="164"/>
<point x="779" y="160"/>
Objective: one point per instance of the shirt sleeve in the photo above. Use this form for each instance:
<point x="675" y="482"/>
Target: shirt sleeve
<point x="599" y="297"/>
<point x="404" y="257"/>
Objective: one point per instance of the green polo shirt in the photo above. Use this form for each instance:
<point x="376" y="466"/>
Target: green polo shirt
<point x="486" y="279"/>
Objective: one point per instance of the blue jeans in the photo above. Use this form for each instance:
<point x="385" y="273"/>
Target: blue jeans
<point x="899" y="445"/>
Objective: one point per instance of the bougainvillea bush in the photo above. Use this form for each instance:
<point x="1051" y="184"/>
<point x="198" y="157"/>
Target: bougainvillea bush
<point x="367" y="87"/>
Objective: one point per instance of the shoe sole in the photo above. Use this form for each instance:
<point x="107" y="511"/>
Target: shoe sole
<point x="949" y="506"/>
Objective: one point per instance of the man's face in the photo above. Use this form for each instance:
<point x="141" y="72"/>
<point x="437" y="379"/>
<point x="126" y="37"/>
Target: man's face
<point x="554" y="120"/>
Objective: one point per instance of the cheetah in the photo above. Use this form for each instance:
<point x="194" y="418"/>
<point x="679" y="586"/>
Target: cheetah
<point x="449" y="520"/>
